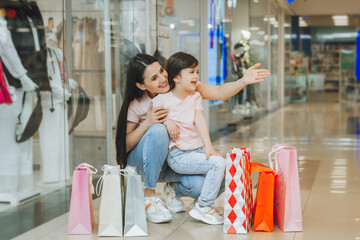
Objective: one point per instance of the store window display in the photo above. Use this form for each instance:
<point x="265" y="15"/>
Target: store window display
<point x="21" y="60"/>
<point x="245" y="101"/>
<point x="34" y="69"/>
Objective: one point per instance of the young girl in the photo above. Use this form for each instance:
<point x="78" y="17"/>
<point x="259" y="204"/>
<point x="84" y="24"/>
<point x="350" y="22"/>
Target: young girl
<point x="191" y="151"/>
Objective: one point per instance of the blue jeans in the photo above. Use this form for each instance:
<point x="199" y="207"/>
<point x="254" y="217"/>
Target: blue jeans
<point x="149" y="157"/>
<point x="195" y="162"/>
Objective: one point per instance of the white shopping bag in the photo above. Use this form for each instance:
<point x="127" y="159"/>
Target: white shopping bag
<point x="110" y="210"/>
<point x="238" y="207"/>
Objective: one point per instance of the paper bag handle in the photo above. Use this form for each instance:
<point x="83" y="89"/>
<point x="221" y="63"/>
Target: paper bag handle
<point x="108" y="169"/>
<point x="92" y="171"/>
<point x="275" y="150"/>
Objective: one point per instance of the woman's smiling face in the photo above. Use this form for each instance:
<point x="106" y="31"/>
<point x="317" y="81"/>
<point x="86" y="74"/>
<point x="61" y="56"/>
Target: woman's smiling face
<point x="155" y="80"/>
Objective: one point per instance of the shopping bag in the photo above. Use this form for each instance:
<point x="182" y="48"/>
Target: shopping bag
<point x="110" y="209"/>
<point x="135" y="218"/>
<point x="287" y="202"/>
<point x="264" y="200"/>
<point x="238" y="192"/>
<point x="81" y="215"/>
<point x="4" y="93"/>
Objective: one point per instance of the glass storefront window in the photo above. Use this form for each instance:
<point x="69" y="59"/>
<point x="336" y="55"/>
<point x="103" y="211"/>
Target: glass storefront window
<point x="259" y="45"/>
<point x="273" y="35"/>
<point x="87" y="45"/>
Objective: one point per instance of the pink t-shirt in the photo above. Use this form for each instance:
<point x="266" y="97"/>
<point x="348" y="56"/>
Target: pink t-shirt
<point x="182" y="113"/>
<point x="138" y="109"/>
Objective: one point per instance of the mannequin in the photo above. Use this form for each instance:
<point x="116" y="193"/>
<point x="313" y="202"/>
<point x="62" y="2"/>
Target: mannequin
<point x="238" y="70"/>
<point x="16" y="158"/>
<point x="245" y="100"/>
<point x="53" y="131"/>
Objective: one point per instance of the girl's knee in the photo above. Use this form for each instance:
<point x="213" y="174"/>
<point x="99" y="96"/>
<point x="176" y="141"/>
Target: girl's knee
<point x="219" y="162"/>
<point x="193" y="185"/>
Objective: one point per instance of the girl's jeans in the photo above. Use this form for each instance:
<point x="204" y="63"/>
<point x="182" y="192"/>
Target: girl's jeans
<point x="149" y="157"/>
<point x="195" y="162"/>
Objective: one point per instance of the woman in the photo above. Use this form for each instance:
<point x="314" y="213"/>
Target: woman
<point x="142" y="140"/>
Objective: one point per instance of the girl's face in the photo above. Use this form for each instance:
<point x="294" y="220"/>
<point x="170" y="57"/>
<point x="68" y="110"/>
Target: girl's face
<point x="155" y="80"/>
<point x="188" y="78"/>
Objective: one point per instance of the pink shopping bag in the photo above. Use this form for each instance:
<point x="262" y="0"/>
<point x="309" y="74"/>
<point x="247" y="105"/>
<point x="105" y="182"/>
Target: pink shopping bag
<point x="287" y="203"/>
<point x="81" y="215"/>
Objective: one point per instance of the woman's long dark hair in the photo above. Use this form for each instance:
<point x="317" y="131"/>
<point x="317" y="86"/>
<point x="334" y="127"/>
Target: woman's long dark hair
<point x="177" y="62"/>
<point x="135" y="72"/>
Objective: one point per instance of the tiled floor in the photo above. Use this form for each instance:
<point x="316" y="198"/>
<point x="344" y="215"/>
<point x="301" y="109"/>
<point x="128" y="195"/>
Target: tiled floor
<point x="329" y="166"/>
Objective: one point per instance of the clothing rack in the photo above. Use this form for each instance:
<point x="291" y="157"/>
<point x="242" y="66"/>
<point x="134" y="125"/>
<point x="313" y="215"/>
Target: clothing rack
<point x="88" y="70"/>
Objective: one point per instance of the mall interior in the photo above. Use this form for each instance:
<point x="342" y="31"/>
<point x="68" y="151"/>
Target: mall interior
<point x="310" y="101"/>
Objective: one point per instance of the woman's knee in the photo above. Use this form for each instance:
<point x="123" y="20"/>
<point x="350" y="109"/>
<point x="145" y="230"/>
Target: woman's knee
<point x="159" y="133"/>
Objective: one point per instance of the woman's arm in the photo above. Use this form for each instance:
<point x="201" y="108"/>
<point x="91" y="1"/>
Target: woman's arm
<point x="201" y="126"/>
<point x="135" y="131"/>
<point x="223" y="92"/>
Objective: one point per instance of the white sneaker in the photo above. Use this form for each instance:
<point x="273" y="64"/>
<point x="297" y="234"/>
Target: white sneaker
<point x="173" y="203"/>
<point x="206" y="214"/>
<point x="154" y="210"/>
<point x="217" y="210"/>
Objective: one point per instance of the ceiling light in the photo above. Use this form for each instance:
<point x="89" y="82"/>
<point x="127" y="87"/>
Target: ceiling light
<point x="340" y="17"/>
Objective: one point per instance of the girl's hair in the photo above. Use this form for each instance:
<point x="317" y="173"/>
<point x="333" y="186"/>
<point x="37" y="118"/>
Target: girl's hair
<point x="177" y="62"/>
<point x="135" y="74"/>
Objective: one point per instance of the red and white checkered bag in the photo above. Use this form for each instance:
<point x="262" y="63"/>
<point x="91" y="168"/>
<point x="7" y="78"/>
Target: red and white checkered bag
<point x="238" y="206"/>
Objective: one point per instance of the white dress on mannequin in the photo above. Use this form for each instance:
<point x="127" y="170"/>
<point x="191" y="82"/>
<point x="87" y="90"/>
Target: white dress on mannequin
<point x="54" y="138"/>
<point x="16" y="158"/>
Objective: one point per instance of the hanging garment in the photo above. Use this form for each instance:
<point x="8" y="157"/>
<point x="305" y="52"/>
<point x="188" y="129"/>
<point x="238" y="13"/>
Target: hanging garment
<point x="4" y="92"/>
<point x="89" y="72"/>
<point x="86" y="61"/>
<point x="25" y="22"/>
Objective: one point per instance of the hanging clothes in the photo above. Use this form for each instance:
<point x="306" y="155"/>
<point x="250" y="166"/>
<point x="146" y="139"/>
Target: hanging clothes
<point x="86" y="61"/>
<point x="25" y="22"/>
<point x="4" y="92"/>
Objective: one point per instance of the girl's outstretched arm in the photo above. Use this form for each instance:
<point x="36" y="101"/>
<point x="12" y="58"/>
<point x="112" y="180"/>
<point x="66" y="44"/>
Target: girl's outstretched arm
<point x="252" y="75"/>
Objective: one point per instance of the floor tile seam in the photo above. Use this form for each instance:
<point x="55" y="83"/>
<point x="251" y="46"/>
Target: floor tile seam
<point x="307" y="199"/>
<point x="167" y="237"/>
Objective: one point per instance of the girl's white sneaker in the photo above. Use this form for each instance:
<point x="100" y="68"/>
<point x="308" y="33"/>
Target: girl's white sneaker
<point x="206" y="214"/>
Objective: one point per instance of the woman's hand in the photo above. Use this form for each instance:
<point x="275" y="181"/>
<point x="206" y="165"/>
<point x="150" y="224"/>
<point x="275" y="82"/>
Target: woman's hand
<point x="156" y="115"/>
<point x="172" y="128"/>
<point x="210" y="151"/>
<point x="254" y="75"/>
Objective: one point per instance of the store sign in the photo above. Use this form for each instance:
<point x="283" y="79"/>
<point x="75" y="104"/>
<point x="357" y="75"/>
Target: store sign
<point x="357" y="57"/>
<point x="347" y="60"/>
<point x="291" y="1"/>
